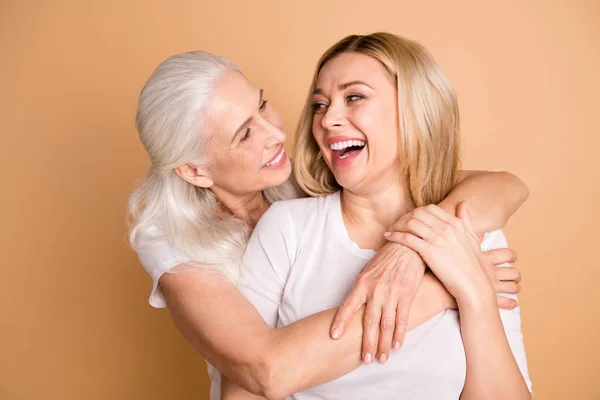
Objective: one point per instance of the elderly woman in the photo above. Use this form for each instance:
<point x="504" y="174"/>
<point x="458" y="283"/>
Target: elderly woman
<point x="217" y="164"/>
<point x="378" y="138"/>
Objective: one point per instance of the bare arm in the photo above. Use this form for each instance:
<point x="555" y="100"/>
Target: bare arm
<point x="450" y="248"/>
<point x="493" y="197"/>
<point x="276" y="362"/>
<point x="272" y="362"/>
<point x="492" y="372"/>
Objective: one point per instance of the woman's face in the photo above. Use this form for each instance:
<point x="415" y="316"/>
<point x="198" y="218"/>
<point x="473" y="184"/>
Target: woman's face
<point x="246" y="152"/>
<point x="356" y="121"/>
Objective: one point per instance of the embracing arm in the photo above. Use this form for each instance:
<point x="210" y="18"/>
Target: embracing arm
<point x="228" y="331"/>
<point x="493" y="197"/>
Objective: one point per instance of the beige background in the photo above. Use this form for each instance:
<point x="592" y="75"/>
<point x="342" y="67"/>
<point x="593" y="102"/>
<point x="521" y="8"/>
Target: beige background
<point x="75" y="323"/>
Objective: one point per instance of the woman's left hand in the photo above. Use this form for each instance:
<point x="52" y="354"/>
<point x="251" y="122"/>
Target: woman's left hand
<point x="449" y="247"/>
<point x="388" y="285"/>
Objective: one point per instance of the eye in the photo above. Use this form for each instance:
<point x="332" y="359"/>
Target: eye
<point x="246" y="135"/>
<point x="354" y="97"/>
<point x="263" y="105"/>
<point x="319" y="107"/>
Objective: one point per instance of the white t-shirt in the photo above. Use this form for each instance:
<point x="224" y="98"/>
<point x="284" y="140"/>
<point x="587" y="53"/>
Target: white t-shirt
<point x="158" y="256"/>
<point x="300" y="261"/>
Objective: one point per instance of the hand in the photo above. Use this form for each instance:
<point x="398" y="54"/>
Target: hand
<point x="449" y="247"/>
<point x="388" y="285"/>
<point x="505" y="279"/>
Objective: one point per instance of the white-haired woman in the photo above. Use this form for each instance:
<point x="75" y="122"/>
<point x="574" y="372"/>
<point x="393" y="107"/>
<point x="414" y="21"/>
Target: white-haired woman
<point x="379" y="137"/>
<point x="217" y="163"/>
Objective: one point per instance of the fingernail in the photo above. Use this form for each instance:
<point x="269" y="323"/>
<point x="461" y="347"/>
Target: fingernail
<point x="396" y="345"/>
<point x="387" y="234"/>
<point x="383" y="358"/>
<point x="335" y="333"/>
<point x="368" y="358"/>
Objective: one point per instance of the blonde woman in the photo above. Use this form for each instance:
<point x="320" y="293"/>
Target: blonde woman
<point x="217" y="163"/>
<point x="378" y="143"/>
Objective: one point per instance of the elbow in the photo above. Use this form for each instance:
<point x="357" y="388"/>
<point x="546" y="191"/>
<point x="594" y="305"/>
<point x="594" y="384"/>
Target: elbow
<point x="521" y="189"/>
<point x="271" y="382"/>
<point x="263" y="378"/>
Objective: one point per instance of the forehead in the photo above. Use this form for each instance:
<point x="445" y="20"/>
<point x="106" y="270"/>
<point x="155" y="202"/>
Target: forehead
<point x="349" y="67"/>
<point x="233" y="101"/>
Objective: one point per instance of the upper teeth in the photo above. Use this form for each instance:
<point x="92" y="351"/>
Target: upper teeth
<point x="277" y="159"/>
<point x="345" y="144"/>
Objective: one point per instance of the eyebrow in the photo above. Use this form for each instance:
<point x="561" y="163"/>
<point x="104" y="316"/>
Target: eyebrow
<point x="343" y="86"/>
<point x="241" y="127"/>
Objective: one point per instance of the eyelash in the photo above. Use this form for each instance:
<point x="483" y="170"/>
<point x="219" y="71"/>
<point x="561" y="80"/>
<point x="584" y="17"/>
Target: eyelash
<point x="319" y="106"/>
<point x="262" y="107"/>
<point x="246" y="136"/>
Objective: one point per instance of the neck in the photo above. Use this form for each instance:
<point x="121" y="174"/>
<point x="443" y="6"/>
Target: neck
<point x="249" y="208"/>
<point x="376" y="209"/>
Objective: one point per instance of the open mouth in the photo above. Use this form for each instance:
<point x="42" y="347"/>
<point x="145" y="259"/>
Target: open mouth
<point x="277" y="159"/>
<point x="347" y="148"/>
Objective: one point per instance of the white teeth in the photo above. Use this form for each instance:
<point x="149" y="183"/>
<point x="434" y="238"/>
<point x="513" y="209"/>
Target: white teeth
<point x="276" y="160"/>
<point x="346" y="144"/>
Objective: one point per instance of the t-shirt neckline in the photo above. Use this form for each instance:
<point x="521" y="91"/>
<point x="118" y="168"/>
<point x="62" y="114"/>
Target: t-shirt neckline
<point x="342" y="232"/>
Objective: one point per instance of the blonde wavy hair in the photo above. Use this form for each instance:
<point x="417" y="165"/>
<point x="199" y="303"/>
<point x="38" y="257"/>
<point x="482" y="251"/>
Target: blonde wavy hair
<point x="428" y="119"/>
<point x="166" y="209"/>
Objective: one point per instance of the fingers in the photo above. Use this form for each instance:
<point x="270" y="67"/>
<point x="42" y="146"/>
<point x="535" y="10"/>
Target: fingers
<point x="501" y="256"/>
<point x="371" y="322"/>
<point x="388" y="323"/>
<point x="440" y="214"/>
<point x="462" y="212"/>
<point x="507" y="287"/>
<point x="507" y="304"/>
<point x="507" y="274"/>
<point x="416" y="227"/>
<point x="401" y="323"/>
<point x="353" y="302"/>
<point x="408" y="240"/>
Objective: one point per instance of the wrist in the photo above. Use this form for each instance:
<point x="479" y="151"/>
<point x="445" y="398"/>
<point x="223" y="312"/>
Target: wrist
<point x="478" y="303"/>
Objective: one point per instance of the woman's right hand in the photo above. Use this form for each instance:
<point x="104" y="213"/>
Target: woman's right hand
<point x="450" y="248"/>
<point x="505" y="279"/>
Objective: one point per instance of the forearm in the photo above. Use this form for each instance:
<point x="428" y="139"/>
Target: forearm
<point x="223" y="326"/>
<point x="493" y="197"/>
<point x="303" y="355"/>
<point x="492" y="372"/>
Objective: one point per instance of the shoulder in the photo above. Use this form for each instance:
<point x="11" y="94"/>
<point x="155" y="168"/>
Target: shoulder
<point x="157" y="254"/>
<point x="300" y="209"/>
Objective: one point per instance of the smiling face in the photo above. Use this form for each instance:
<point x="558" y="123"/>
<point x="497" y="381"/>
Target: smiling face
<point x="245" y="149"/>
<point x="355" y="121"/>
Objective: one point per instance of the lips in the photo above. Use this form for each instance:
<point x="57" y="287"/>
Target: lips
<point x="277" y="159"/>
<point x="345" y="149"/>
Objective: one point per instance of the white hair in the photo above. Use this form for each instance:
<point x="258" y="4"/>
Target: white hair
<point x="169" y="120"/>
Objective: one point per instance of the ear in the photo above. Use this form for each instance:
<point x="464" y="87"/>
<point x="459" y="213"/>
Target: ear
<point x="195" y="175"/>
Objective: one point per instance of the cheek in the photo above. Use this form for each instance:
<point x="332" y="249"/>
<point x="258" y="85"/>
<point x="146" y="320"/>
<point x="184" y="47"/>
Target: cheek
<point x="380" y="125"/>
<point x="317" y="129"/>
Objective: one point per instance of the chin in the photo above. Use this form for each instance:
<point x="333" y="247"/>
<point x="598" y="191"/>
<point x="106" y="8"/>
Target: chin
<point x="348" y="182"/>
<point x="280" y="176"/>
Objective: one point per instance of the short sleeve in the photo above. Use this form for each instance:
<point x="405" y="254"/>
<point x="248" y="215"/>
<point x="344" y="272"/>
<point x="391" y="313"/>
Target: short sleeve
<point x="267" y="262"/>
<point x="157" y="256"/>
<point x="510" y="318"/>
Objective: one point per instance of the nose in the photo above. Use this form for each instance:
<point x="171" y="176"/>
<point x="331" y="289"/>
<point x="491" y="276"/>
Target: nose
<point x="273" y="135"/>
<point x="333" y="118"/>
